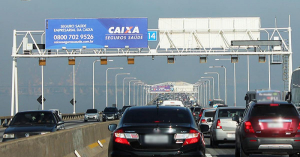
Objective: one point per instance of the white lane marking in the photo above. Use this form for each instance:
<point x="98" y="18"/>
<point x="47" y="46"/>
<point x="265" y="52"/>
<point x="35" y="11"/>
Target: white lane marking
<point x="77" y="154"/>
<point x="208" y="155"/>
<point x="101" y="145"/>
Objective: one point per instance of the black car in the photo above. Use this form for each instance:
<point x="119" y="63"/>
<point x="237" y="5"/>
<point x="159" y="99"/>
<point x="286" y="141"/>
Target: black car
<point x="156" y="131"/>
<point x="30" y="123"/>
<point x="110" y="113"/>
<point x="268" y="127"/>
<point x="124" y="108"/>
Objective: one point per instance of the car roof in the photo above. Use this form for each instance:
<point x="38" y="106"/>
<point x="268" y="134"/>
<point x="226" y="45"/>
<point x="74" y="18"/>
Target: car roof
<point x="154" y="106"/>
<point x="272" y="102"/>
<point x="36" y="111"/>
<point x="224" y="108"/>
<point x="110" y="107"/>
<point x="210" y="110"/>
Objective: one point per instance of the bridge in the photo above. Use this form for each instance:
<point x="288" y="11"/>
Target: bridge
<point x="91" y="139"/>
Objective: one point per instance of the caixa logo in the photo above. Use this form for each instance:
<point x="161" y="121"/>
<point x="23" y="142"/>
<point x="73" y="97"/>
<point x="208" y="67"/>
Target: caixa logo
<point x="123" y="30"/>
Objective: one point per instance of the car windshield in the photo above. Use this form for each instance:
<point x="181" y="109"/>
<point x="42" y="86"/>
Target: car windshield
<point x="218" y="102"/>
<point x="274" y="111"/>
<point x="124" y="108"/>
<point x="91" y="111"/>
<point x="160" y="115"/>
<point x="110" y="110"/>
<point x="231" y="112"/>
<point x="32" y="118"/>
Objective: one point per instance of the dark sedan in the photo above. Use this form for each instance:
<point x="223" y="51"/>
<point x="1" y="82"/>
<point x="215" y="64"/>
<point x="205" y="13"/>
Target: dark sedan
<point x="110" y="113"/>
<point x="156" y="131"/>
<point x="30" y="123"/>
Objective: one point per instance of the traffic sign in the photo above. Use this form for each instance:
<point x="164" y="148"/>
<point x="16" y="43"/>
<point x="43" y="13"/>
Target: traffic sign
<point x="39" y="99"/>
<point x="152" y="35"/>
<point x="72" y="102"/>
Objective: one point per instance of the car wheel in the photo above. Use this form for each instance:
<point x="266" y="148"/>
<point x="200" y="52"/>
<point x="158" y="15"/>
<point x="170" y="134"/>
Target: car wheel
<point x="98" y="120"/>
<point x="213" y="143"/>
<point x="237" y="150"/>
<point x="242" y="152"/>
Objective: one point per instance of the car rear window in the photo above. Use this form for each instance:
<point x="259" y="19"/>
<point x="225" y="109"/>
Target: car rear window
<point x="110" y="110"/>
<point x="231" y="112"/>
<point x="209" y="114"/>
<point x="91" y="111"/>
<point x="274" y="111"/>
<point x="160" y="115"/>
<point x="197" y="109"/>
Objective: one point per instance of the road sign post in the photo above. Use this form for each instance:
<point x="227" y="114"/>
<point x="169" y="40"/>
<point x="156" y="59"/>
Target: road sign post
<point x="39" y="99"/>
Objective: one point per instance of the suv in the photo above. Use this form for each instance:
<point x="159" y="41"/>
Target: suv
<point x="92" y="114"/>
<point x="268" y="127"/>
<point x="110" y="113"/>
<point x="223" y="127"/>
<point x="196" y="111"/>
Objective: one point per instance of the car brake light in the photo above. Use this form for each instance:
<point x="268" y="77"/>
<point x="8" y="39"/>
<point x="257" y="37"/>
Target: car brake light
<point x="219" y="124"/>
<point x="274" y="104"/>
<point x="298" y="128"/>
<point x="192" y="137"/>
<point x="203" y="121"/>
<point x="248" y="127"/>
<point x="194" y="114"/>
<point x="200" y="115"/>
<point x="121" y="137"/>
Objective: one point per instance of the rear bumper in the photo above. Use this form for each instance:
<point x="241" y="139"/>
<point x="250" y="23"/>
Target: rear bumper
<point x="271" y="145"/>
<point x="154" y="154"/>
<point x="221" y="135"/>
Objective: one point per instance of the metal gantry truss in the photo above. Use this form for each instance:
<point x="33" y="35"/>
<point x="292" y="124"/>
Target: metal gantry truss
<point x="26" y="44"/>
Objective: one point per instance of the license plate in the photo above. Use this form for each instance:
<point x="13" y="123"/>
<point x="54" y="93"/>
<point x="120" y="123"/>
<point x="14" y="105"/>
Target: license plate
<point x="230" y="135"/>
<point x="156" y="139"/>
<point x="275" y="125"/>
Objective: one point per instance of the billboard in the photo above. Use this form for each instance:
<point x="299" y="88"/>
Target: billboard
<point x="161" y="88"/>
<point x="96" y="33"/>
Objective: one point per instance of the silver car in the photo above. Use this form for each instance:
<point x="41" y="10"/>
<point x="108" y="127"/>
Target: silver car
<point x="207" y="114"/>
<point x="92" y="114"/>
<point x="223" y="127"/>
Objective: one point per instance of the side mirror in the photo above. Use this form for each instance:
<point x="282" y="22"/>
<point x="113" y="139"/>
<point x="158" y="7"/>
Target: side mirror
<point x="204" y="128"/>
<point x="236" y="118"/>
<point x="60" y="123"/>
<point x="5" y="125"/>
<point x="246" y="97"/>
<point x="288" y="97"/>
<point x="112" y="127"/>
<point x="209" y="120"/>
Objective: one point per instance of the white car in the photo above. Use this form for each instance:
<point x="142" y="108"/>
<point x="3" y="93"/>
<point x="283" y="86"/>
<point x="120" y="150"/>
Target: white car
<point x="57" y="111"/>
<point x="172" y="103"/>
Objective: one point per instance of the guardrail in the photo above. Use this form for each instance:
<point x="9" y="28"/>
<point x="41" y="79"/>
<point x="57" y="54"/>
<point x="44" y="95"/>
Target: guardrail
<point x="6" y="119"/>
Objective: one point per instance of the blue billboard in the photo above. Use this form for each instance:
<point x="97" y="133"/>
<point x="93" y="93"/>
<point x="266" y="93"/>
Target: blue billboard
<point x="96" y="33"/>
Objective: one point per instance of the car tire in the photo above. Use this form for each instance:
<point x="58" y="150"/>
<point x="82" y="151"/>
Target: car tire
<point x="98" y="120"/>
<point x="242" y="152"/>
<point x="213" y="143"/>
<point x="85" y="120"/>
<point x="237" y="150"/>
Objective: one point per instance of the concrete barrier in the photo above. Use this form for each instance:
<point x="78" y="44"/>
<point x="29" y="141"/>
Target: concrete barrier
<point x="62" y="143"/>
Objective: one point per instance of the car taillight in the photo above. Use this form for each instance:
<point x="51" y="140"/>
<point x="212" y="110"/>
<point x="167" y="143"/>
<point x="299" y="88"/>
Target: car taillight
<point x="192" y="137"/>
<point x="194" y="114"/>
<point x="298" y="128"/>
<point x="121" y="137"/>
<point x="200" y="115"/>
<point x="219" y="124"/>
<point x="248" y="127"/>
<point x="203" y="121"/>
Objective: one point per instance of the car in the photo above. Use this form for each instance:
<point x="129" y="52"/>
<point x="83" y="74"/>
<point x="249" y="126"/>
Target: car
<point x="31" y="123"/>
<point x="162" y="131"/>
<point x="196" y="111"/>
<point x="268" y="127"/>
<point x="223" y="127"/>
<point x="172" y="103"/>
<point x="207" y="114"/>
<point x="92" y="114"/>
<point x="124" y="108"/>
<point x="110" y="113"/>
<point x="216" y="102"/>
<point x="57" y="111"/>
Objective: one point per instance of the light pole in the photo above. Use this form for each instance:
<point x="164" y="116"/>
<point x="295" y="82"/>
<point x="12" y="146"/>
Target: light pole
<point x="134" y="92"/>
<point x="234" y="80"/>
<point x="116" y="84"/>
<point x="124" y="89"/>
<point x="129" y="91"/>
<point x="213" y="82"/>
<point x="106" y="80"/>
<point x="209" y="97"/>
<point x="224" y="79"/>
<point x="218" y="81"/>
<point x="94" y="80"/>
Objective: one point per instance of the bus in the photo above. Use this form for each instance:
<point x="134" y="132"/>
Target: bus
<point x="294" y="94"/>
<point x="262" y="95"/>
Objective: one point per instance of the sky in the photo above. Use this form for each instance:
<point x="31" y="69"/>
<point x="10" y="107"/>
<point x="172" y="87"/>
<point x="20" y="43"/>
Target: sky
<point x="31" y="15"/>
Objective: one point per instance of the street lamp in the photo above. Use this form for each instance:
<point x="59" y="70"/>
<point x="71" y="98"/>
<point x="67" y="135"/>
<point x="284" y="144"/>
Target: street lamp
<point x="134" y="92"/>
<point x="123" y="87"/>
<point x="234" y="80"/>
<point x="218" y="81"/>
<point x="224" y="79"/>
<point x="106" y="79"/>
<point x="213" y="82"/>
<point x="206" y="88"/>
<point x="94" y="80"/>
<point x="129" y="90"/>
<point x="116" y="82"/>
